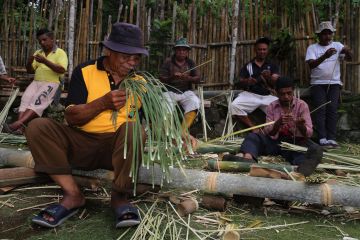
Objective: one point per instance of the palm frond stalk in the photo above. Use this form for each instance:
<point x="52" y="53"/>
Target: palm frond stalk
<point x="5" y="110"/>
<point x="164" y="133"/>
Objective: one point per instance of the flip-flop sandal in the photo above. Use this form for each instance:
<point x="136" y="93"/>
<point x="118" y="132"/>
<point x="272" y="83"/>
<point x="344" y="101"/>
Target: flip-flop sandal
<point x="56" y="211"/>
<point x="132" y="213"/>
<point x="313" y="157"/>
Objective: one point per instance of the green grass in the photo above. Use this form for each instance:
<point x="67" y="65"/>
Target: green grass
<point x="98" y="221"/>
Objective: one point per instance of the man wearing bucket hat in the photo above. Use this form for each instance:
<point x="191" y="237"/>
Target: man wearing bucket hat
<point x="178" y="74"/>
<point x="323" y="59"/>
<point x="90" y="141"/>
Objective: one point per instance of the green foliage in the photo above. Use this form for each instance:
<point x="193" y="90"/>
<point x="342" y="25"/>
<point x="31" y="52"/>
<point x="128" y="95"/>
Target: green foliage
<point x="160" y="34"/>
<point x="182" y="14"/>
<point x="283" y="45"/>
<point x="215" y="6"/>
<point x="161" y="30"/>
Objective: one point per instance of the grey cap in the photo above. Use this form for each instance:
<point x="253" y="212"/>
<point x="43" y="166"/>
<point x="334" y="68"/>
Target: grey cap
<point x="325" y="25"/>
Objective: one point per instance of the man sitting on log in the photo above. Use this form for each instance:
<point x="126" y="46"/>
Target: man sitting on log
<point x="91" y="140"/>
<point x="257" y="78"/>
<point x="178" y="75"/>
<point x="48" y="64"/>
<point x="292" y="124"/>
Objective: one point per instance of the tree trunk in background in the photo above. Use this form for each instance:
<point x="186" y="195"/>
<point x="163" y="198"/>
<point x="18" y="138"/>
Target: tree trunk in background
<point x="234" y="41"/>
<point x="138" y="12"/>
<point x="71" y="35"/>
<point x="336" y="14"/>
<point x="119" y="11"/>
<point x="51" y="14"/>
<point x="173" y="22"/>
<point x="90" y="33"/>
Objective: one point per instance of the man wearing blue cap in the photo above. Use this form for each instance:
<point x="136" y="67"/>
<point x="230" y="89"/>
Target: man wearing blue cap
<point x="90" y="141"/>
<point x="178" y="74"/>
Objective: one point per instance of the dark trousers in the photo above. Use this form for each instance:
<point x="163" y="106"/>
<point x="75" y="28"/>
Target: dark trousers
<point x="258" y="144"/>
<point x="58" y="148"/>
<point x="325" y="118"/>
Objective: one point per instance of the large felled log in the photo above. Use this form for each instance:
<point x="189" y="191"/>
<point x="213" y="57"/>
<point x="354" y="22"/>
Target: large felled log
<point x="13" y="157"/>
<point x="235" y="184"/>
<point x="20" y="175"/>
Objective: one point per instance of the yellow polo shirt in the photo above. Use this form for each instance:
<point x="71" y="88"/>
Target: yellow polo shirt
<point x="90" y="81"/>
<point x="43" y="72"/>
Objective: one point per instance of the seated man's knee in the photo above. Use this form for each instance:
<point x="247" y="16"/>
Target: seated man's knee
<point x="36" y="125"/>
<point x="253" y="136"/>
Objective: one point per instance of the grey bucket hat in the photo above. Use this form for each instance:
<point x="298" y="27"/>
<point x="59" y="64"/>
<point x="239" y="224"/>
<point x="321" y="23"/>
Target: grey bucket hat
<point x="125" y="38"/>
<point x="325" y="25"/>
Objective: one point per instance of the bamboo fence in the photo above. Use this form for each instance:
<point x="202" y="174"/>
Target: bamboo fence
<point x="209" y="29"/>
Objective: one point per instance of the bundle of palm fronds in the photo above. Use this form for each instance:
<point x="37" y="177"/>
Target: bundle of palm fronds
<point x="165" y="135"/>
<point x="11" y="139"/>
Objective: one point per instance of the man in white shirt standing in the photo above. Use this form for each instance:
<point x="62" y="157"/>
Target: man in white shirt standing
<point x="323" y="59"/>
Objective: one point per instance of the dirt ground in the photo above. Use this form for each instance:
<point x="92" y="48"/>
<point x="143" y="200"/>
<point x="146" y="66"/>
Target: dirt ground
<point x="96" y="220"/>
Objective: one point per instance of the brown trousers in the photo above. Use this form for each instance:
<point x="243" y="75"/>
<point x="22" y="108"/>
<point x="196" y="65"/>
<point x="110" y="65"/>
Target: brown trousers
<point x="58" y="148"/>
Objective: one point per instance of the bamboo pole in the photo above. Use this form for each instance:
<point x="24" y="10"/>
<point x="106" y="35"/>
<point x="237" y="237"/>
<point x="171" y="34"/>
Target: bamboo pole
<point x="162" y="9"/>
<point x="148" y="27"/>
<point x="126" y="14"/>
<point x="251" y="19"/>
<point x="221" y="50"/>
<point x="131" y="15"/>
<point x="234" y="42"/>
<point x="78" y="37"/>
<point x="138" y="13"/>
<point x="256" y="20"/>
<point x="225" y="183"/>
<point x="119" y="11"/>
<point x="71" y="34"/>
<point x="5" y="31"/>
<point x="85" y="32"/>
<point x="261" y="30"/>
<point x="98" y="31"/>
<point x="173" y="24"/>
<point x="12" y="33"/>
<point x="217" y="165"/>
<point x="90" y="36"/>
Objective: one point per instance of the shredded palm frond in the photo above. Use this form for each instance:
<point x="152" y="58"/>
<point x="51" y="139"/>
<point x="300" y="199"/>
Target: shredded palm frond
<point x="164" y="132"/>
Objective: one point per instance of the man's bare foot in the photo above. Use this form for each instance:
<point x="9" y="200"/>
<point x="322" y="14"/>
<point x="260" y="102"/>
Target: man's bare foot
<point x="118" y="199"/>
<point x="69" y="201"/>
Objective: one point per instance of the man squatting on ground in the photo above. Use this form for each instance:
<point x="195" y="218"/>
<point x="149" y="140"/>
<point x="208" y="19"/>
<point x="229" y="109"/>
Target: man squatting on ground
<point x="292" y="124"/>
<point x="324" y="61"/>
<point x="3" y="73"/>
<point x="90" y="141"/>
<point x="49" y="64"/>
<point x="257" y="78"/>
<point x="174" y="73"/>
